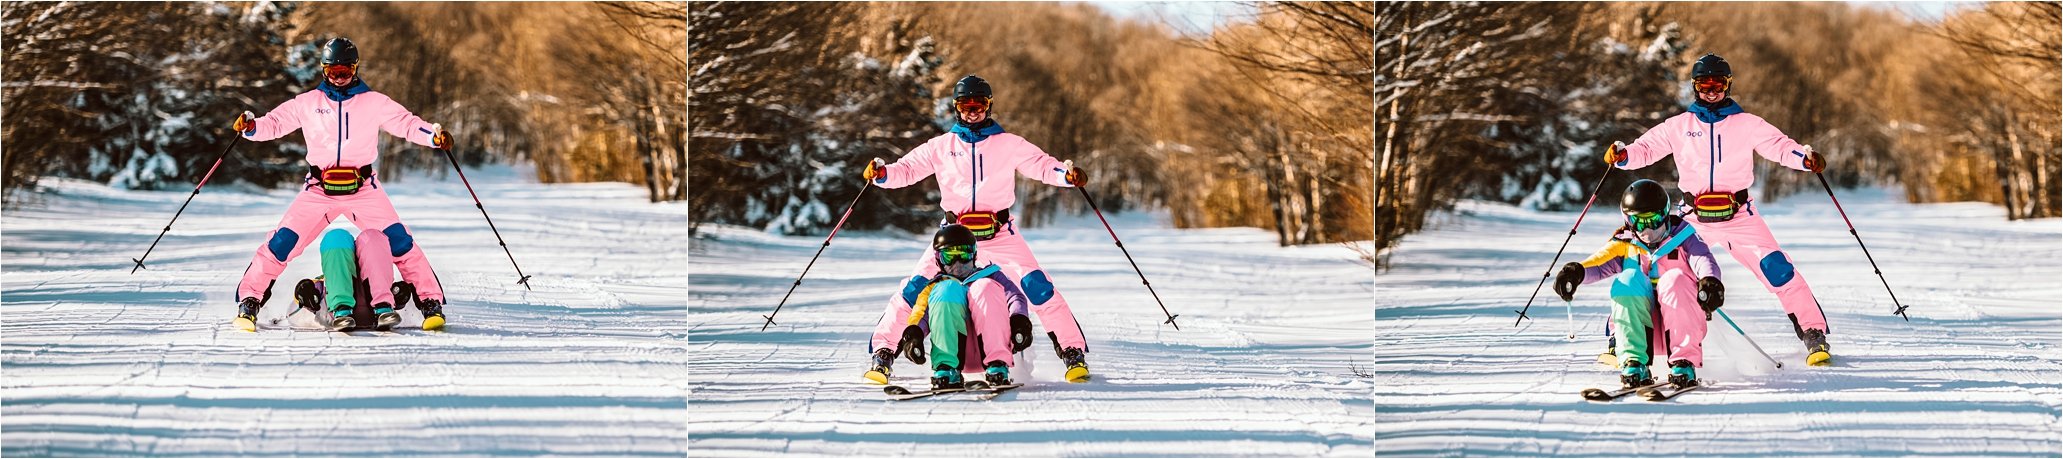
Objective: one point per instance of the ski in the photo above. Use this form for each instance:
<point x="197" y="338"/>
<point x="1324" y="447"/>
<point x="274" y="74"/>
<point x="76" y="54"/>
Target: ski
<point x="991" y="392"/>
<point x="898" y="393"/>
<point x="1601" y="395"/>
<point x="1656" y="394"/>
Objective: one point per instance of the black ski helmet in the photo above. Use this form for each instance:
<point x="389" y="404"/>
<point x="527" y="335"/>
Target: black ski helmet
<point x="971" y="86"/>
<point x="953" y="235"/>
<point x="339" y="50"/>
<point x="1711" y="65"/>
<point x="1644" y="196"/>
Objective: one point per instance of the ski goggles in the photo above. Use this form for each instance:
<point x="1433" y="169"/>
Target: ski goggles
<point x="956" y="254"/>
<point x="972" y="104"/>
<point x="336" y="71"/>
<point x="1645" y="220"/>
<point x="1711" y="83"/>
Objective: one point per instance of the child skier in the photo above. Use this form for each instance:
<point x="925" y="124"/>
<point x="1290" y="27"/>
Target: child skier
<point x="350" y="267"/>
<point x="341" y="181"/>
<point x="1663" y="276"/>
<point x="966" y="312"/>
<point x="1716" y="139"/>
<point x="977" y="165"/>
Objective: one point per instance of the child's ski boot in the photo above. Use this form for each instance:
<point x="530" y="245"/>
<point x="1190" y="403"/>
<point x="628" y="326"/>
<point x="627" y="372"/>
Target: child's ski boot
<point x="385" y="317"/>
<point x="884" y="359"/>
<point x="1682" y="374"/>
<point x="997" y="374"/>
<point x="1635" y="374"/>
<point x="1816" y="348"/>
<point x="946" y="377"/>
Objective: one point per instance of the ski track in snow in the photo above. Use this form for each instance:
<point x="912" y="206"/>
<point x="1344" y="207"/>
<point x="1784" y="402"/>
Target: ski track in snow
<point x="1974" y="373"/>
<point x="102" y="362"/>
<point x="1264" y="364"/>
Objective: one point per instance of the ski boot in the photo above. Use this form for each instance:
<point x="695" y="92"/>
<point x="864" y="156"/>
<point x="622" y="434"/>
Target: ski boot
<point x="946" y="377"/>
<point x="385" y="317"/>
<point x="1682" y="374"/>
<point x="1635" y="374"/>
<point x="247" y="314"/>
<point x="998" y="374"/>
<point x="1611" y="356"/>
<point x="340" y="318"/>
<point x="1077" y="368"/>
<point x="883" y="360"/>
<point x="433" y="313"/>
<point x="1816" y="348"/>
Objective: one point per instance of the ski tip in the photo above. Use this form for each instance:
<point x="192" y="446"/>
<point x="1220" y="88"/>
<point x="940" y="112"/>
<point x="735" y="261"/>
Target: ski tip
<point x="1819" y="359"/>
<point x="246" y="324"/>
<point x="433" y="323"/>
<point x="895" y="390"/>
<point x="876" y="377"/>
<point x="1078" y="375"/>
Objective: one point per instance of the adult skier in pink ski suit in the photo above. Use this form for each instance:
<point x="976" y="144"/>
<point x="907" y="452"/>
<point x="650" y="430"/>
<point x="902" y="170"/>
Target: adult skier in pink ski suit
<point x="1715" y="144"/>
<point x="977" y="165"/>
<point x="340" y="121"/>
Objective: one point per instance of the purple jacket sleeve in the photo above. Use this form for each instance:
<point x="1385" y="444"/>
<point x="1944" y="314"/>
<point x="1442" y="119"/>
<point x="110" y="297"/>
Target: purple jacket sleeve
<point x="1703" y="264"/>
<point x="1606" y="262"/>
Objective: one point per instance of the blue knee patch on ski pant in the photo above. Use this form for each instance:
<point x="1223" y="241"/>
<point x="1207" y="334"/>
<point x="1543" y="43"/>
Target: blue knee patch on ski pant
<point x="283" y="243"/>
<point x="338" y="239"/>
<point x="913" y="287"/>
<point x="398" y="239"/>
<point x="1037" y="288"/>
<point x="1777" y="268"/>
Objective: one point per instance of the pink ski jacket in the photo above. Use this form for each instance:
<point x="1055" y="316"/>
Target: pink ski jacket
<point x="342" y="133"/>
<point x="977" y="168"/>
<point x="1713" y="148"/>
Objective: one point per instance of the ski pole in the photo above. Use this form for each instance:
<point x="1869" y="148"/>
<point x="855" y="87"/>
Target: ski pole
<point x="1751" y="340"/>
<point x="1565" y="244"/>
<point x="1865" y="248"/>
<point x="520" y="277"/>
<point x="189" y="200"/>
<point x="1128" y="257"/>
<point x="813" y="258"/>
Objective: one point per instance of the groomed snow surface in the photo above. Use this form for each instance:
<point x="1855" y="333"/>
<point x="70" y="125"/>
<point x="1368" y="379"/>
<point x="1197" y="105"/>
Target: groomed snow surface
<point x="1264" y="365"/>
<point x="1974" y="373"/>
<point x="102" y="362"/>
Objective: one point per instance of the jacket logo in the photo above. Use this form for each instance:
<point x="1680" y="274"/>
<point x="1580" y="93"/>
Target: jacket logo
<point x="322" y="111"/>
<point x="1694" y="134"/>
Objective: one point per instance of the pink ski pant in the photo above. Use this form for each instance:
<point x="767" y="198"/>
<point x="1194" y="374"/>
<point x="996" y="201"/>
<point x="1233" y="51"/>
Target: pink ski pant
<point x="1008" y="250"/>
<point x="370" y="210"/>
<point x="1748" y="238"/>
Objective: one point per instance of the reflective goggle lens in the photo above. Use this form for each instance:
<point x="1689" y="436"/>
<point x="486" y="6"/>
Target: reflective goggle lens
<point x="340" y="71"/>
<point x="956" y="254"/>
<point x="1645" y="220"/>
<point x="1710" y="84"/>
<point x="971" y="104"/>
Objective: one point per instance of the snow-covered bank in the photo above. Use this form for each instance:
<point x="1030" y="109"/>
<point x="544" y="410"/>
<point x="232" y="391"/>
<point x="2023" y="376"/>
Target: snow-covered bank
<point x="102" y="362"/>
<point x="1264" y="364"/>
<point x="1975" y="372"/>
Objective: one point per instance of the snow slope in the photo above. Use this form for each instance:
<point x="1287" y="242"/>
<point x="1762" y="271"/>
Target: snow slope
<point x="102" y="362"/>
<point x="1975" y="372"/>
<point x="1264" y="364"/>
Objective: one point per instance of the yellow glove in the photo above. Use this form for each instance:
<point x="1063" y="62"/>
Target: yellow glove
<point x="874" y="170"/>
<point x="245" y="123"/>
<point x="1615" y="153"/>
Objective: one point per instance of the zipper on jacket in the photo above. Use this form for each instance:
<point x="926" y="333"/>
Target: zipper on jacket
<point x="340" y="135"/>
